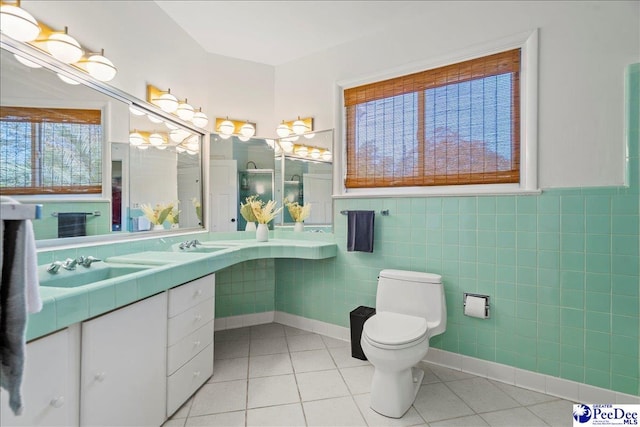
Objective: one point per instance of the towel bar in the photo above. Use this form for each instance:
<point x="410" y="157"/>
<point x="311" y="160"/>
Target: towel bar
<point x="383" y="213"/>
<point x="94" y="213"/>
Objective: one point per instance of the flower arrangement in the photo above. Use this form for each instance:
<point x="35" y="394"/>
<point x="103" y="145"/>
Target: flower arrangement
<point x="158" y="214"/>
<point x="198" y="206"/>
<point x="264" y="212"/>
<point x="297" y="212"/>
<point x="174" y="216"/>
<point x="246" y="209"/>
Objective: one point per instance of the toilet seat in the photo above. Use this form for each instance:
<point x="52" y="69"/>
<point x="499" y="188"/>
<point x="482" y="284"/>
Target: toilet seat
<point x="394" y="330"/>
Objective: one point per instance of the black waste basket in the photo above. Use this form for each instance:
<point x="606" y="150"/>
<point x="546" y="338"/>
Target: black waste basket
<point x="358" y="317"/>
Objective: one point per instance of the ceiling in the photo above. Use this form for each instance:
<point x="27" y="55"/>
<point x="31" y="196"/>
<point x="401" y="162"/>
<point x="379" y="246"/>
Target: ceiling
<point x="276" y="32"/>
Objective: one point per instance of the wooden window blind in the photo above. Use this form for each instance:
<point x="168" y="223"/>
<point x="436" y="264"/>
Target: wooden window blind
<point x="454" y="125"/>
<point x="50" y="150"/>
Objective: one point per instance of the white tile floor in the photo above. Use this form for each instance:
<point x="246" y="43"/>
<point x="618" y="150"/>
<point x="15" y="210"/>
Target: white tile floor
<point x="275" y="375"/>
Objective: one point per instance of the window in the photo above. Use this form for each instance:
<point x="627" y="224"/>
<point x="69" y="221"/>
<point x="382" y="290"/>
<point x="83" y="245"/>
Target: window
<point x="50" y="151"/>
<point x="454" y="125"/>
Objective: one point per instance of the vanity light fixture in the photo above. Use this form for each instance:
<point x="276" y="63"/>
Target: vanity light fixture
<point x="99" y="66"/>
<point x="178" y="135"/>
<point x="135" y="138"/>
<point x="185" y="111"/>
<point x="170" y="126"/>
<point x="26" y="62"/>
<point x="154" y="119"/>
<point x="135" y="111"/>
<point x="326" y="156"/>
<point x="299" y="127"/>
<point x="286" y="145"/>
<point x="244" y="138"/>
<point x="283" y="130"/>
<point x="228" y="127"/>
<point x="68" y="80"/>
<point x="17" y="23"/>
<point x="64" y="47"/>
<point x="302" y="151"/>
<point x="247" y="130"/>
<point x="200" y="119"/>
<point x="315" y="153"/>
<point x="163" y="99"/>
<point x="296" y="127"/>
<point x="156" y="139"/>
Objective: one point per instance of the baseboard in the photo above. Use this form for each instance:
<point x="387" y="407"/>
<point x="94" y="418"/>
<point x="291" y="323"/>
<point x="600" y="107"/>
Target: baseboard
<point x="560" y="387"/>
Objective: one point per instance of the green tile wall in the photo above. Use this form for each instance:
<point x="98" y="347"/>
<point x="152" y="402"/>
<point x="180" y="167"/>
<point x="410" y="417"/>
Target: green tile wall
<point x="245" y="288"/>
<point x="562" y="270"/>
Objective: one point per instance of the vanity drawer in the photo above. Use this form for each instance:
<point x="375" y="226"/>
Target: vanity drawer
<point x="180" y="353"/>
<point x="190" y="294"/>
<point x="185" y="323"/>
<point x="186" y="380"/>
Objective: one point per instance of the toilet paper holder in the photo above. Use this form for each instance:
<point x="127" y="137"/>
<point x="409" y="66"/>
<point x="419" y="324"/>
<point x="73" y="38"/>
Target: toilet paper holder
<point x="486" y="303"/>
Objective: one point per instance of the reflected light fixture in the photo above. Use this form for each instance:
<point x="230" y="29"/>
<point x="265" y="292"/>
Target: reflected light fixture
<point x="185" y="111"/>
<point x="270" y="142"/>
<point x="226" y="127"/>
<point x="154" y="119"/>
<point x="68" y="80"/>
<point x="302" y="151"/>
<point x="143" y="146"/>
<point x="163" y="146"/>
<point x="99" y="67"/>
<point x="64" y="47"/>
<point x="287" y="145"/>
<point x="326" y="155"/>
<point x="247" y="130"/>
<point x="170" y="126"/>
<point x="17" y="23"/>
<point x="180" y="149"/>
<point x="135" y="111"/>
<point x="135" y="138"/>
<point x="178" y="135"/>
<point x="200" y="119"/>
<point x="244" y="138"/>
<point x="26" y="62"/>
<point x="315" y="153"/>
<point x="156" y="139"/>
<point x="309" y="135"/>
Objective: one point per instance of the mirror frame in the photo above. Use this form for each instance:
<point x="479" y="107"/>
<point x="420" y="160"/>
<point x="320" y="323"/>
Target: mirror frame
<point x="46" y="61"/>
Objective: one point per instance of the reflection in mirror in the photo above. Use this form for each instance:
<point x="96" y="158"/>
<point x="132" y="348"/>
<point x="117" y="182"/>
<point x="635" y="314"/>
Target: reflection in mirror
<point x="238" y="170"/>
<point x="67" y="146"/>
<point x="305" y="175"/>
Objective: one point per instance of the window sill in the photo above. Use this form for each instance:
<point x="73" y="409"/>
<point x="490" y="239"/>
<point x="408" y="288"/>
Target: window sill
<point x="450" y="191"/>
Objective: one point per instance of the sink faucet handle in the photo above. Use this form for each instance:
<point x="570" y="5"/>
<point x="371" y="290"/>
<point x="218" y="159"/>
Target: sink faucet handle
<point x="88" y="260"/>
<point x="54" y="267"/>
<point x="70" y="264"/>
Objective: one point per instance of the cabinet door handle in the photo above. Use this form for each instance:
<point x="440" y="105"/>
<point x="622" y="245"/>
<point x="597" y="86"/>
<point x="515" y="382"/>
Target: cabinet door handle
<point x="57" y="402"/>
<point x="100" y="376"/>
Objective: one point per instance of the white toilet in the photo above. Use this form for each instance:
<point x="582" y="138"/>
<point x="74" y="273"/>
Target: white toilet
<point x="410" y="309"/>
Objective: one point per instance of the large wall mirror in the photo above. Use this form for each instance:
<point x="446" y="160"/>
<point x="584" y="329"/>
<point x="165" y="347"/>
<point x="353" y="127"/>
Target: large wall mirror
<point x="102" y="163"/>
<point x="305" y="175"/>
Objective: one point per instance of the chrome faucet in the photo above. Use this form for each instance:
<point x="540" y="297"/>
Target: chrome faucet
<point x="87" y="261"/>
<point x="189" y="244"/>
<point x="70" y="264"/>
<point x="54" y="267"/>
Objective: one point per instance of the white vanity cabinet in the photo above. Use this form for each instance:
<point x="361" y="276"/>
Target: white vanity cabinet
<point x="189" y="339"/>
<point x="123" y="366"/>
<point x="50" y="383"/>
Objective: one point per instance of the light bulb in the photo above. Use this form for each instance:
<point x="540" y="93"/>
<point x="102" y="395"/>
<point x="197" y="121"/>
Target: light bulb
<point x="167" y="102"/>
<point x="283" y="130"/>
<point x="226" y="127"/>
<point x="64" y="47"/>
<point x="185" y="111"/>
<point x="315" y="153"/>
<point x="135" y="139"/>
<point x="200" y="119"/>
<point x="27" y="62"/>
<point x="302" y="151"/>
<point x="68" y="80"/>
<point x="156" y="139"/>
<point x="326" y="155"/>
<point x="18" y="24"/>
<point x="299" y="127"/>
<point x="101" y="68"/>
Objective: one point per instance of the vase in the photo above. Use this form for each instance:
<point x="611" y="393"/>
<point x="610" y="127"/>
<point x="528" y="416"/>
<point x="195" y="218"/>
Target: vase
<point x="251" y="226"/>
<point x="298" y="226"/>
<point x="157" y="227"/>
<point x="262" y="233"/>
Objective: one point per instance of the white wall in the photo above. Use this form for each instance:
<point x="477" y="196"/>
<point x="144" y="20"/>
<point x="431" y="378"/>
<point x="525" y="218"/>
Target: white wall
<point x="583" y="50"/>
<point x="147" y="47"/>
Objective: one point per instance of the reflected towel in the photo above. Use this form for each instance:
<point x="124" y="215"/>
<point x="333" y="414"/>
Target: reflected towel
<point x="360" y="231"/>
<point x="72" y="224"/>
<point x="19" y="294"/>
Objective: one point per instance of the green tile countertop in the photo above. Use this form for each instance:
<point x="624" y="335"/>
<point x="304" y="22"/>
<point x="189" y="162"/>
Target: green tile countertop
<point x="65" y="306"/>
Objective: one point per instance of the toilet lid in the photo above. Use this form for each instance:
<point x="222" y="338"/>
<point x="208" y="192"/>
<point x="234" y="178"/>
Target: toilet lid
<point x="395" y="328"/>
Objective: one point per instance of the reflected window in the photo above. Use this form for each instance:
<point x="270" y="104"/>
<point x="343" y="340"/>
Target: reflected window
<point x="50" y="150"/>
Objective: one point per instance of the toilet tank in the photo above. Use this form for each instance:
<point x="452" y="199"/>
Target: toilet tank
<point x="413" y="293"/>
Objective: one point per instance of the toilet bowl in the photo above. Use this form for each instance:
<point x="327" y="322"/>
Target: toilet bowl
<point x="410" y="309"/>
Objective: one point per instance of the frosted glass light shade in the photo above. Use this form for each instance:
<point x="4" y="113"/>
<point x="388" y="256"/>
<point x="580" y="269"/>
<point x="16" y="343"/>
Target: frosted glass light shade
<point x="64" y="48"/>
<point x="287" y="146"/>
<point x="326" y="155"/>
<point x="135" y="139"/>
<point x="167" y="102"/>
<point x="25" y="61"/>
<point x="101" y="68"/>
<point x="200" y="119"/>
<point x="68" y="80"/>
<point x="223" y="136"/>
<point x="136" y="112"/>
<point x="247" y="130"/>
<point x="185" y="111"/>
<point x="315" y="153"/>
<point x="18" y="24"/>
<point x="299" y="127"/>
<point x="302" y="151"/>
<point x="162" y="147"/>
<point x="244" y="138"/>
<point x="154" y="119"/>
<point x="283" y="130"/>
<point x="156" y="139"/>
<point x="226" y="127"/>
<point x="178" y="135"/>
<point x="143" y="147"/>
